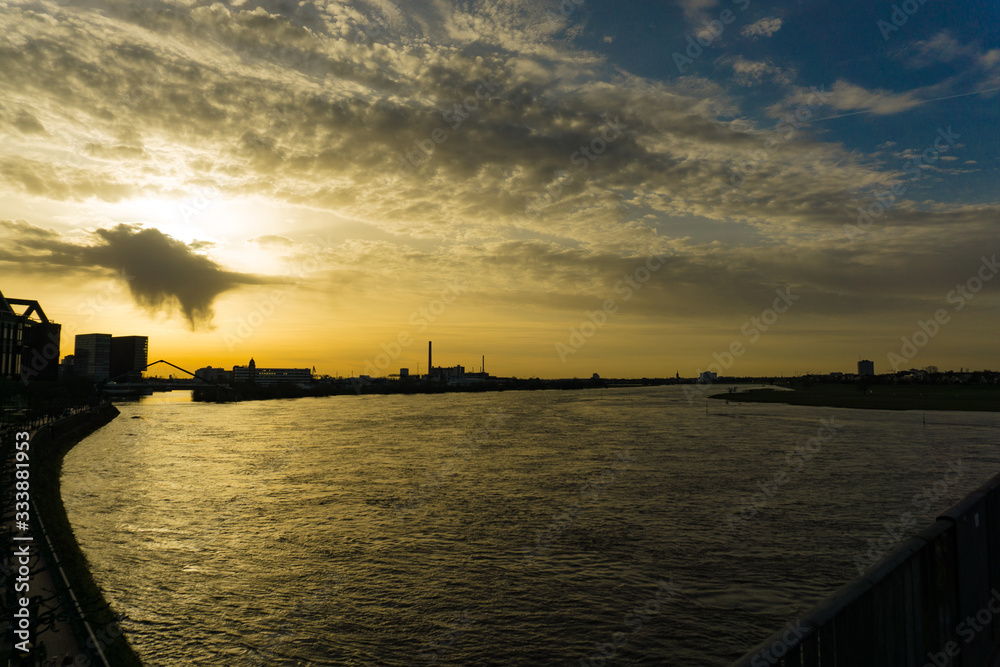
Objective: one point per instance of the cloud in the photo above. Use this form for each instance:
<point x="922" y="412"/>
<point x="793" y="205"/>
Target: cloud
<point x="754" y="73"/>
<point x="442" y="125"/>
<point x="941" y="48"/>
<point x="982" y="66"/>
<point x="28" y="124"/>
<point x="764" y="27"/>
<point x="696" y="11"/>
<point x="64" y="182"/>
<point x="849" y="97"/>
<point x="846" y="96"/>
<point x="273" y="240"/>
<point x="163" y="273"/>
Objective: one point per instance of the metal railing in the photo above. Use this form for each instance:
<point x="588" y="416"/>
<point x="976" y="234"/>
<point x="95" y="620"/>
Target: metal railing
<point x="932" y="601"/>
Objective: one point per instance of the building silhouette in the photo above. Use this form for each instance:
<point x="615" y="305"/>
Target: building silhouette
<point x="92" y="356"/>
<point x="269" y="376"/>
<point x="129" y="356"/>
<point x="451" y="374"/>
<point x="11" y="334"/>
<point x="866" y="367"/>
<point x="29" y="348"/>
<point x="214" y="375"/>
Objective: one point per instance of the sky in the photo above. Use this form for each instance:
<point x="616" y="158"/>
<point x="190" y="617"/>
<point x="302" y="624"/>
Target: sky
<point x="630" y="189"/>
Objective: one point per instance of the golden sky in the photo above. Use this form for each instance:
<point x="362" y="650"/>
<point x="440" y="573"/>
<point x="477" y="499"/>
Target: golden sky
<point x="316" y="184"/>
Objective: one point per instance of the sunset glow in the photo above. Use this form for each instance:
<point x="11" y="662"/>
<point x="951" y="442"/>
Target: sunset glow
<point x="300" y="182"/>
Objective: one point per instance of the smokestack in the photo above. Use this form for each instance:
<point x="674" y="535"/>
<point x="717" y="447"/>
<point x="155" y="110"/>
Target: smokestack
<point x="482" y="369"/>
<point x="429" y="360"/>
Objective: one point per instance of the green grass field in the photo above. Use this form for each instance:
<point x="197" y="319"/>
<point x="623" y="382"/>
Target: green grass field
<point x="879" y="397"/>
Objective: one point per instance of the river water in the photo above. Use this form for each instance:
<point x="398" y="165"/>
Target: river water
<point x="619" y="526"/>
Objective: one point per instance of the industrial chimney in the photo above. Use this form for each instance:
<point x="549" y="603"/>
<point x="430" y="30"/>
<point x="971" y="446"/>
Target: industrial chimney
<point x="430" y="360"/>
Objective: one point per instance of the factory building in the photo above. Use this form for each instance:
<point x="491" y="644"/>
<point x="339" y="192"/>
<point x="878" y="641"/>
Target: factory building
<point x="453" y="374"/>
<point x="269" y="376"/>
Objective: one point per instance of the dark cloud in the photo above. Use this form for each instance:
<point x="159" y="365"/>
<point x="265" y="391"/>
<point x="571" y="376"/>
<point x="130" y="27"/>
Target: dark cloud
<point x="28" y="124"/>
<point x="162" y="273"/>
<point x="318" y="106"/>
<point x="61" y="182"/>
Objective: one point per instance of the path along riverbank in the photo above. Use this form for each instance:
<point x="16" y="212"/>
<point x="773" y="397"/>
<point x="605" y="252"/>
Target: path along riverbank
<point x="70" y="621"/>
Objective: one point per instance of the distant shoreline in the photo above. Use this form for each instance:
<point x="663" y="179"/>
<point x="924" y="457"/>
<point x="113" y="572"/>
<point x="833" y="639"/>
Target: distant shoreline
<point x="251" y="392"/>
<point x="969" y="398"/>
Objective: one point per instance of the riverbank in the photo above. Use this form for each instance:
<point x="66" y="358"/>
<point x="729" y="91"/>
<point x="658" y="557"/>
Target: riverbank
<point x="49" y="446"/>
<point x="254" y="392"/>
<point x="983" y="398"/>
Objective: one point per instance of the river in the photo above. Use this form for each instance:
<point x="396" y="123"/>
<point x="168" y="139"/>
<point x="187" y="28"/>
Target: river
<point x="605" y="526"/>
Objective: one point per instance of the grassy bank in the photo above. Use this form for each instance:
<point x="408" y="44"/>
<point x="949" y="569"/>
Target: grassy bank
<point x="49" y="446"/>
<point x="879" y="397"/>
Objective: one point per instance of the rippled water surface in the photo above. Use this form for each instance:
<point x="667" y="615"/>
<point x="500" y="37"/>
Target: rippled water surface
<point x="515" y="528"/>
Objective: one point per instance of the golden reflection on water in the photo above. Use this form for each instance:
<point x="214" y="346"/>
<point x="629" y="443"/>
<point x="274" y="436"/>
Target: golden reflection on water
<point x="512" y="528"/>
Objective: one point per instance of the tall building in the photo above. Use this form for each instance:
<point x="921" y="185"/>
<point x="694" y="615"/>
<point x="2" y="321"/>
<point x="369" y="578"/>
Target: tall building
<point x="35" y="341"/>
<point x="129" y="356"/>
<point x="11" y="333"/>
<point x="866" y="367"/>
<point x="40" y="358"/>
<point x="92" y="356"/>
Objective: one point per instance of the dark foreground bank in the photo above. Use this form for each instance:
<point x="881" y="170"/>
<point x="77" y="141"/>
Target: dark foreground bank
<point x="984" y="398"/>
<point x="49" y="446"/>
